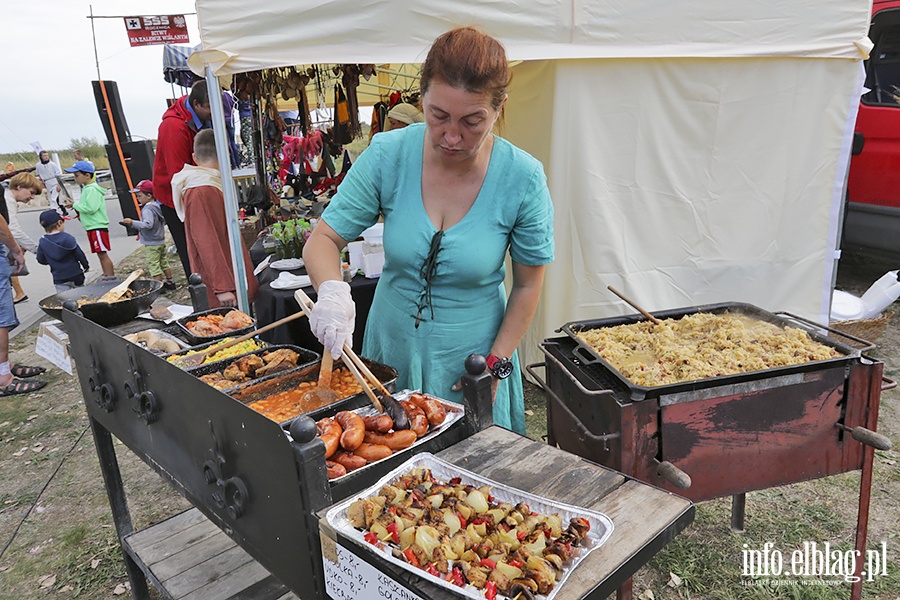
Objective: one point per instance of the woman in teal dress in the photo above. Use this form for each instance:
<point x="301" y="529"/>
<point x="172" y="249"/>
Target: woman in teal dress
<point x="454" y="198"/>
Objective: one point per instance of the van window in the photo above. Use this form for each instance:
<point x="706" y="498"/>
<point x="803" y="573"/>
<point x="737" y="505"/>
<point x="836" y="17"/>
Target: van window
<point x="883" y="70"/>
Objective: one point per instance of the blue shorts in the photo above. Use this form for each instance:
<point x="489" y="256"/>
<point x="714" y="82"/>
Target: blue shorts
<point x="8" y="318"/>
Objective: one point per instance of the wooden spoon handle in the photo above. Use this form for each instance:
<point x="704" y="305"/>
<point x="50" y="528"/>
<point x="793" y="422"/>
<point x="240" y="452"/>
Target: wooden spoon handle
<point x="652" y="319"/>
<point x="306" y="305"/>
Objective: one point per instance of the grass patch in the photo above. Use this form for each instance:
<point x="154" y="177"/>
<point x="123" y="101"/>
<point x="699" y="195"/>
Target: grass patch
<point x="709" y="558"/>
<point x="90" y="562"/>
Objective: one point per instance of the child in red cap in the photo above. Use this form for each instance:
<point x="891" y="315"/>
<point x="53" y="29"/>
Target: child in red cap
<point x="153" y="233"/>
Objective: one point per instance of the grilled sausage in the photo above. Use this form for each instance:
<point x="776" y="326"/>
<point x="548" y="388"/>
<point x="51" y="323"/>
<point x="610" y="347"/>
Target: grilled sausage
<point x="418" y="422"/>
<point x="335" y="470"/>
<point x="348" y="460"/>
<point x="379" y="423"/>
<point x="373" y="452"/>
<point x="397" y="440"/>
<point x="330" y="432"/>
<point x="354" y="429"/>
<point x="434" y="410"/>
<point x="395" y="411"/>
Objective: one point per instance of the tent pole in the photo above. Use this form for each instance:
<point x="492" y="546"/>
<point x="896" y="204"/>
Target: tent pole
<point x="231" y="204"/>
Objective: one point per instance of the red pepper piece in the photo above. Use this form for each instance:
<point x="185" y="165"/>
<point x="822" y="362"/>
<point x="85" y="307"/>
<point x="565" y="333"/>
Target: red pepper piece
<point x="455" y="481"/>
<point x="490" y="590"/>
<point x="456" y="577"/>
<point x="487" y="562"/>
<point x="371" y="538"/>
<point x="515" y="563"/>
<point x="395" y="535"/>
<point x="521" y="535"/>
<point x="462" y="521"/>
<point x="411" y="558"/>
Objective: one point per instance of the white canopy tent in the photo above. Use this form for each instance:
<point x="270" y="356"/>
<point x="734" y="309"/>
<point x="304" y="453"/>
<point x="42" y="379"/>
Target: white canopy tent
<point x="695" y="151"/>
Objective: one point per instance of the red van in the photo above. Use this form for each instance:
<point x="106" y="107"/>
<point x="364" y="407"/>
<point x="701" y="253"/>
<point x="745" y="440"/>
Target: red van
<point x="872" y="216"/>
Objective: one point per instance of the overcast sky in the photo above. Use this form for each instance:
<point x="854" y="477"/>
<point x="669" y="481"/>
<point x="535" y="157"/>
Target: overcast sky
<point x="49" y="57"/>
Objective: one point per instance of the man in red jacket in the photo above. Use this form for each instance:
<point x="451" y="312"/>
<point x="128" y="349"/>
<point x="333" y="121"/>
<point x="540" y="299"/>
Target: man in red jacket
<point x="174" y="149"/>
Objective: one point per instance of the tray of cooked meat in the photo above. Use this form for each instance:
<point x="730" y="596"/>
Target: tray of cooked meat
<point x="357" y="438"/>
<point x="156" y="341"/>
<point x="258" y="366"/>
<point x="214" y="324"/>
<point x="468" y="534"/>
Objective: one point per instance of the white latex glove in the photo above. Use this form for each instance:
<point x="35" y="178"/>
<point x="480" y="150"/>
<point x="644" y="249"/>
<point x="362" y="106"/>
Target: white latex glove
<point x="334" y="316"/>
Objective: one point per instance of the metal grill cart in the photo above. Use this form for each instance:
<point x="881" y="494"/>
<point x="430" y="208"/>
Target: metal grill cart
<point x="259" y="489"/>
<point x="724" y="435"/>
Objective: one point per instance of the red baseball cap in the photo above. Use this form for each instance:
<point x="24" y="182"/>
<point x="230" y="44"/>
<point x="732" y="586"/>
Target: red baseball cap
<point x="145" y="186"/>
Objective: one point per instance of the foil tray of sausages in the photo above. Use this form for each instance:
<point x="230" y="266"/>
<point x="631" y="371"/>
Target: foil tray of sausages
<point x="601" y="526"/>
<point x="454" y="412"/>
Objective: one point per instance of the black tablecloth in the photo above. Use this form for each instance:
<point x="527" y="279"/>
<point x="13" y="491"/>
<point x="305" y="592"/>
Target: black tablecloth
<point x="257" y="252"/>
<point x="272" y="304"/>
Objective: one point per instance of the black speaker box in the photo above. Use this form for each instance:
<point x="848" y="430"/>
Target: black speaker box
<point x="112" y="110"/>
<point x="139" y="161"/>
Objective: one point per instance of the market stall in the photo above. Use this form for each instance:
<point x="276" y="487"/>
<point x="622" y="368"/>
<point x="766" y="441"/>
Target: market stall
<point x="662" y="184"/>
<point x="695" y="153"/>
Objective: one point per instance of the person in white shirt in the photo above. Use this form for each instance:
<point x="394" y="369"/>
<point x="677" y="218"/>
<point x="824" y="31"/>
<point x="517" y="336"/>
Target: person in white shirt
<point x="49" y="172"/>
<point x="22" y="188"/>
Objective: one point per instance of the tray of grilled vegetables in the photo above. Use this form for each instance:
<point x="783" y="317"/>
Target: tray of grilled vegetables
<point x="479" y="538"/>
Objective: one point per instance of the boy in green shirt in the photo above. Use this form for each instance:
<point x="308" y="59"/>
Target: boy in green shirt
<point x="91" y="208"/>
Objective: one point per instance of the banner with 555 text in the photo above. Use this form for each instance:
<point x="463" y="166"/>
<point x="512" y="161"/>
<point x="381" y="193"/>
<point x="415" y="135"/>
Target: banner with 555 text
<point x="158" y="29"/>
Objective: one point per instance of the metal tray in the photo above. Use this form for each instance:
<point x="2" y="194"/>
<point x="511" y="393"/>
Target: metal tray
<point x="202" y="347"/>
<point x="455" y="412"/>
<point x="160" y="333"/>
<point x="588" y="356"/>
<point x="200" y="339"/>
<point x="305" y="358"/>
<point x="252" y="391"/>
<point x="601" y="525"/>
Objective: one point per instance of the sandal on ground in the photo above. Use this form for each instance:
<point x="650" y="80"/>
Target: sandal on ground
<point x="23" y="371"/>
<point x="22" y="299"/>
<point x="20" y="386"/>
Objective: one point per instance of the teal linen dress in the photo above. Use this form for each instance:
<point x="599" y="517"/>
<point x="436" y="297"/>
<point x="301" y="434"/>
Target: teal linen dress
<point x="512" y="212"/>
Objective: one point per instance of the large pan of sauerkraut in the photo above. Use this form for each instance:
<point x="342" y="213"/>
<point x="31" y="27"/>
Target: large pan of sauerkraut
<point x="703" y="346"/>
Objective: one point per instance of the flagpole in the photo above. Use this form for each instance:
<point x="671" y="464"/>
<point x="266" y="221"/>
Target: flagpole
<point x="94" y="35"/>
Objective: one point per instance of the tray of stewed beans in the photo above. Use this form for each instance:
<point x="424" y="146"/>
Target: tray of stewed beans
<point x="284" y="397"/>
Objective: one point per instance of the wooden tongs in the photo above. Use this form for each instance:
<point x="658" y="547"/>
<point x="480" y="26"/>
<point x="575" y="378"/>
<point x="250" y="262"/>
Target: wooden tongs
<point x="354" y="363"/>
<point x="115" y="294"/>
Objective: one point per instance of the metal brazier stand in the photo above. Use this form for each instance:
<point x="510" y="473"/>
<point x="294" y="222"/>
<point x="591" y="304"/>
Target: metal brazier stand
<point x="240" y="469"/>
<point x="720" y="436"/>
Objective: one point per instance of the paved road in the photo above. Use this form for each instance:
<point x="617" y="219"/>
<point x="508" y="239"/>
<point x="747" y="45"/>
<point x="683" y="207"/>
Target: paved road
<point x="38" y="283"/>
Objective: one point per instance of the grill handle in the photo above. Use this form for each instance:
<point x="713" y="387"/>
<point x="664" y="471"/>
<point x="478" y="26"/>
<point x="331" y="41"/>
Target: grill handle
<point x="887" y="383"/>
<point x="868" y="437"/>
<point x="580" y="430"/>
<point x="584" y="355"/>
<point x="867" y="345"/>
<point x="673" y="475"/>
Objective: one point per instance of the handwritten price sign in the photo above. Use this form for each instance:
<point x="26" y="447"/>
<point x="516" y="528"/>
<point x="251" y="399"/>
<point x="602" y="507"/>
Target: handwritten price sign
<point x="347" y="577"/>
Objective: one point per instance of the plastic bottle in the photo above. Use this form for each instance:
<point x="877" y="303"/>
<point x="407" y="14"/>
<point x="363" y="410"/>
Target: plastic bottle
<point x="881" y="294"/>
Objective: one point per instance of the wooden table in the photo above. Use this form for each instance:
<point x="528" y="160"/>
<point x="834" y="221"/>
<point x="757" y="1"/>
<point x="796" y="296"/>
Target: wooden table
<point x="645" y="518"/>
